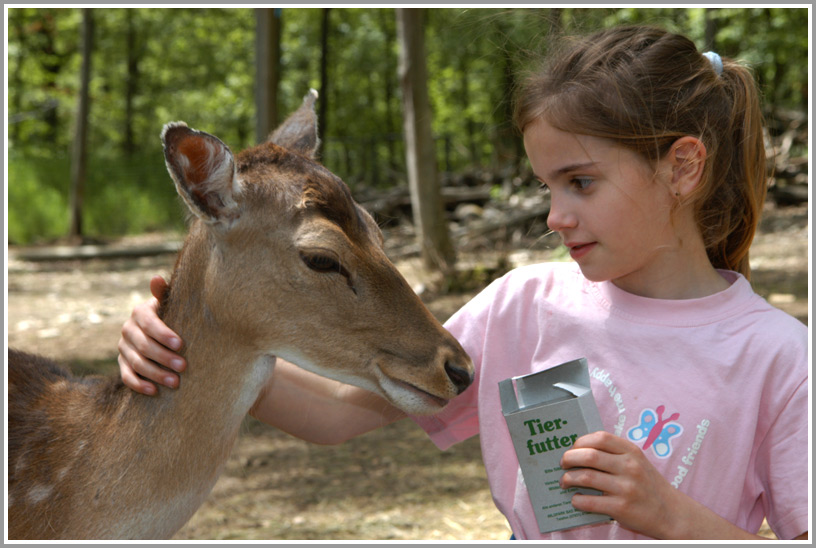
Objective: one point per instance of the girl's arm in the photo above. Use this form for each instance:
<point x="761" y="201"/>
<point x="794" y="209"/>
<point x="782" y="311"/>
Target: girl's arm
<point x="296" y="401"/>
<point x="636" y="495"/>
<point x="320" y="410"/>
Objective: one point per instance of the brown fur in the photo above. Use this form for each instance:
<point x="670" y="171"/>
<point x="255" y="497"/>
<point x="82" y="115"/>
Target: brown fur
<point x="88" y="458"/>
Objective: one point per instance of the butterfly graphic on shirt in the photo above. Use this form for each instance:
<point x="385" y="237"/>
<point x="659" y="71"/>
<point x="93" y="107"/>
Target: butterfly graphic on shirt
<point x="656" y="431"/>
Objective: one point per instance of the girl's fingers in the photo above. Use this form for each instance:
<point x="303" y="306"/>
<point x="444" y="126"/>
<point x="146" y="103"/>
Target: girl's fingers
<point x="134" y="362"/>
<point x="601" y="451"/>
<point x="157" y="287"/>
<point x="148" y="335"/>
<point x="587" y="458"/>
<point x="145" y="345"/>
<point x="604" y="462"/>
<point x="133" y="381"/>
<point x="589" y="477"/>
<point x="604" y="441"/>
<point x="596" y="504"/>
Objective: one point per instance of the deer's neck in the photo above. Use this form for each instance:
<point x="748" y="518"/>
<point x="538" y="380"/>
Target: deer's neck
<point x="226" y="370"/>
<point x="194" y="427"/>
<point x="159" y="456"/>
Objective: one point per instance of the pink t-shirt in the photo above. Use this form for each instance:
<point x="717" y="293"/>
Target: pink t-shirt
<point x="730" y="366"/>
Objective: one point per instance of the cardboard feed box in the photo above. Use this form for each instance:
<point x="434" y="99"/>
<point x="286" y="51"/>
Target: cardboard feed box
<point x="545" y="413"/>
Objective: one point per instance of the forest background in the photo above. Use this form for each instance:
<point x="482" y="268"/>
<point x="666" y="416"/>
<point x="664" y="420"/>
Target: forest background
<point x="149" y="66"/>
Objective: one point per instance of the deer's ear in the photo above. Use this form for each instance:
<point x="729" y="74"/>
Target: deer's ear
<point x="299" y="131"/>
<point x="203" y="169"/>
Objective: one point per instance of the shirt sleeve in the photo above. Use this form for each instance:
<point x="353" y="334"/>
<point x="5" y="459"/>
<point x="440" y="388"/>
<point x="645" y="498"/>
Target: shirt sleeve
<point x="459" y="420"/>
<point x="782" y="465"/>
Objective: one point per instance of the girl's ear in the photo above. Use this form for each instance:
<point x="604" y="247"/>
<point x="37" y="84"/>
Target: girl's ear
<point x="687" y="158"/>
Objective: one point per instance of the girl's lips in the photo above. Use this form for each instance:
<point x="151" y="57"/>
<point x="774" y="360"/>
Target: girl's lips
<point x="579" y="250"/>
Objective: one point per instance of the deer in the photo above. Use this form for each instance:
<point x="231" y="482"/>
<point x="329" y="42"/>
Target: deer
<point x="279" y="262"/>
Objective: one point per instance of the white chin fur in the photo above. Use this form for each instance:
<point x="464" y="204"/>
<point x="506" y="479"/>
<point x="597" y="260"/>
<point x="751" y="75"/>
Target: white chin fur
<point x="406" y="399"/>
<point x="301" y="361"/>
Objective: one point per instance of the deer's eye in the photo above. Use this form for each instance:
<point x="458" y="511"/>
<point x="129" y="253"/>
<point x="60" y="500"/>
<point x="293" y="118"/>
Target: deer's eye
<point x="322" y="263"/>
<point x="325" y="264"/>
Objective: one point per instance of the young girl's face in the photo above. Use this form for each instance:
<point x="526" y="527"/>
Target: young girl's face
<point x="611" y="208"/>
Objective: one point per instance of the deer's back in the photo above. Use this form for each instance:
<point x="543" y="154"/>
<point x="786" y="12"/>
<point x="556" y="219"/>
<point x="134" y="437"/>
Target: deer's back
<point x="53" y="430"/>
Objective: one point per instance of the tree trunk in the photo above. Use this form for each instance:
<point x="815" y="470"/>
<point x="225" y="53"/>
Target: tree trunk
<point x="464" y="97"/>
<point x="556" y="25"/>
<point x="131" y="82"/>
<point x="391" y="129"/>
<point x="79" y="151"/>
<point x="324" y="76"/>
<point x="711" y="28"/>
<point x="52" y="63"/>
<point x="267" y="67"/>
<point x="426" y="201"/>
<point x="17" y="24"/>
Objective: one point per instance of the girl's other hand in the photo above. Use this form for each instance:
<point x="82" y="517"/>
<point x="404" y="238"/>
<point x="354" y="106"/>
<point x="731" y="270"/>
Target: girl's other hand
<point x="147" y="344"/>
<point x="635" y="494"/>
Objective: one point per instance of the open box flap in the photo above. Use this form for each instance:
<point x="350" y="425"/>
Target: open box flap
<point x="576" y="390"/>
<point x="570" y="379"/>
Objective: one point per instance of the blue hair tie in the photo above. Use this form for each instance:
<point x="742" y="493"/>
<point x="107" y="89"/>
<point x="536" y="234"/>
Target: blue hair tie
<point x="715" y="60"/>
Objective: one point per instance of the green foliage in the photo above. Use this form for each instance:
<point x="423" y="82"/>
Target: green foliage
<point x="131" y="195"/>
<point x="123" y="195"/>
<point x="772" y="42"/>
<point x="154" y="65"/>
<point x="37" y="209"/>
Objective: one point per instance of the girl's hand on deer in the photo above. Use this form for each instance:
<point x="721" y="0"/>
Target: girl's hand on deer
<point x="147" y="344"/>
<point x="634" y="492"/>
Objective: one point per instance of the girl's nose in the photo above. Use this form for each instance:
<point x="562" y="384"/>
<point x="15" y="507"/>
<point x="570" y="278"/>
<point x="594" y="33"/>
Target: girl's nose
<point x="560" y="216"/>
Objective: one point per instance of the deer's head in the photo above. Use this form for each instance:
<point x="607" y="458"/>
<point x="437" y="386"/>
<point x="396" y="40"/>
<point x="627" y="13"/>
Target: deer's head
<point x="293" y="267"/>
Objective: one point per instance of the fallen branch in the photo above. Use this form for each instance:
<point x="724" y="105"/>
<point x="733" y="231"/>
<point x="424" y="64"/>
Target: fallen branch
<point x="65" y="253"/>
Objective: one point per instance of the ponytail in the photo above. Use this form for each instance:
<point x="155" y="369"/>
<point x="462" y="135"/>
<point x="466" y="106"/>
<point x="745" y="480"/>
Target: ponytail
<point x="729" y="221"/>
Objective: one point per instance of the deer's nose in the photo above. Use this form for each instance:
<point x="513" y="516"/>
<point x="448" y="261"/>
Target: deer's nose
<point x="461" y="378"/>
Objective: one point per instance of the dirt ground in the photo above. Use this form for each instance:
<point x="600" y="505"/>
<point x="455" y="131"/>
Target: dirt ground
<point x="390" y="484"/>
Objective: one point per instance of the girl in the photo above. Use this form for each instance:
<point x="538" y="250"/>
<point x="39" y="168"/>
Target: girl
<point x="654" y="158"/>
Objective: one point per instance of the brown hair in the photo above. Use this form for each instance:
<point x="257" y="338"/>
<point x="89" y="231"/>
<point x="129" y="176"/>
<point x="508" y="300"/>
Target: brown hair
<point x="644" y="88"/>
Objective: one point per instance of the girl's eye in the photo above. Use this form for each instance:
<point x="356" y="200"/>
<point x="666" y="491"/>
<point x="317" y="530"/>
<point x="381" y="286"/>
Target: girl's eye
<point x="582" y="183"/>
